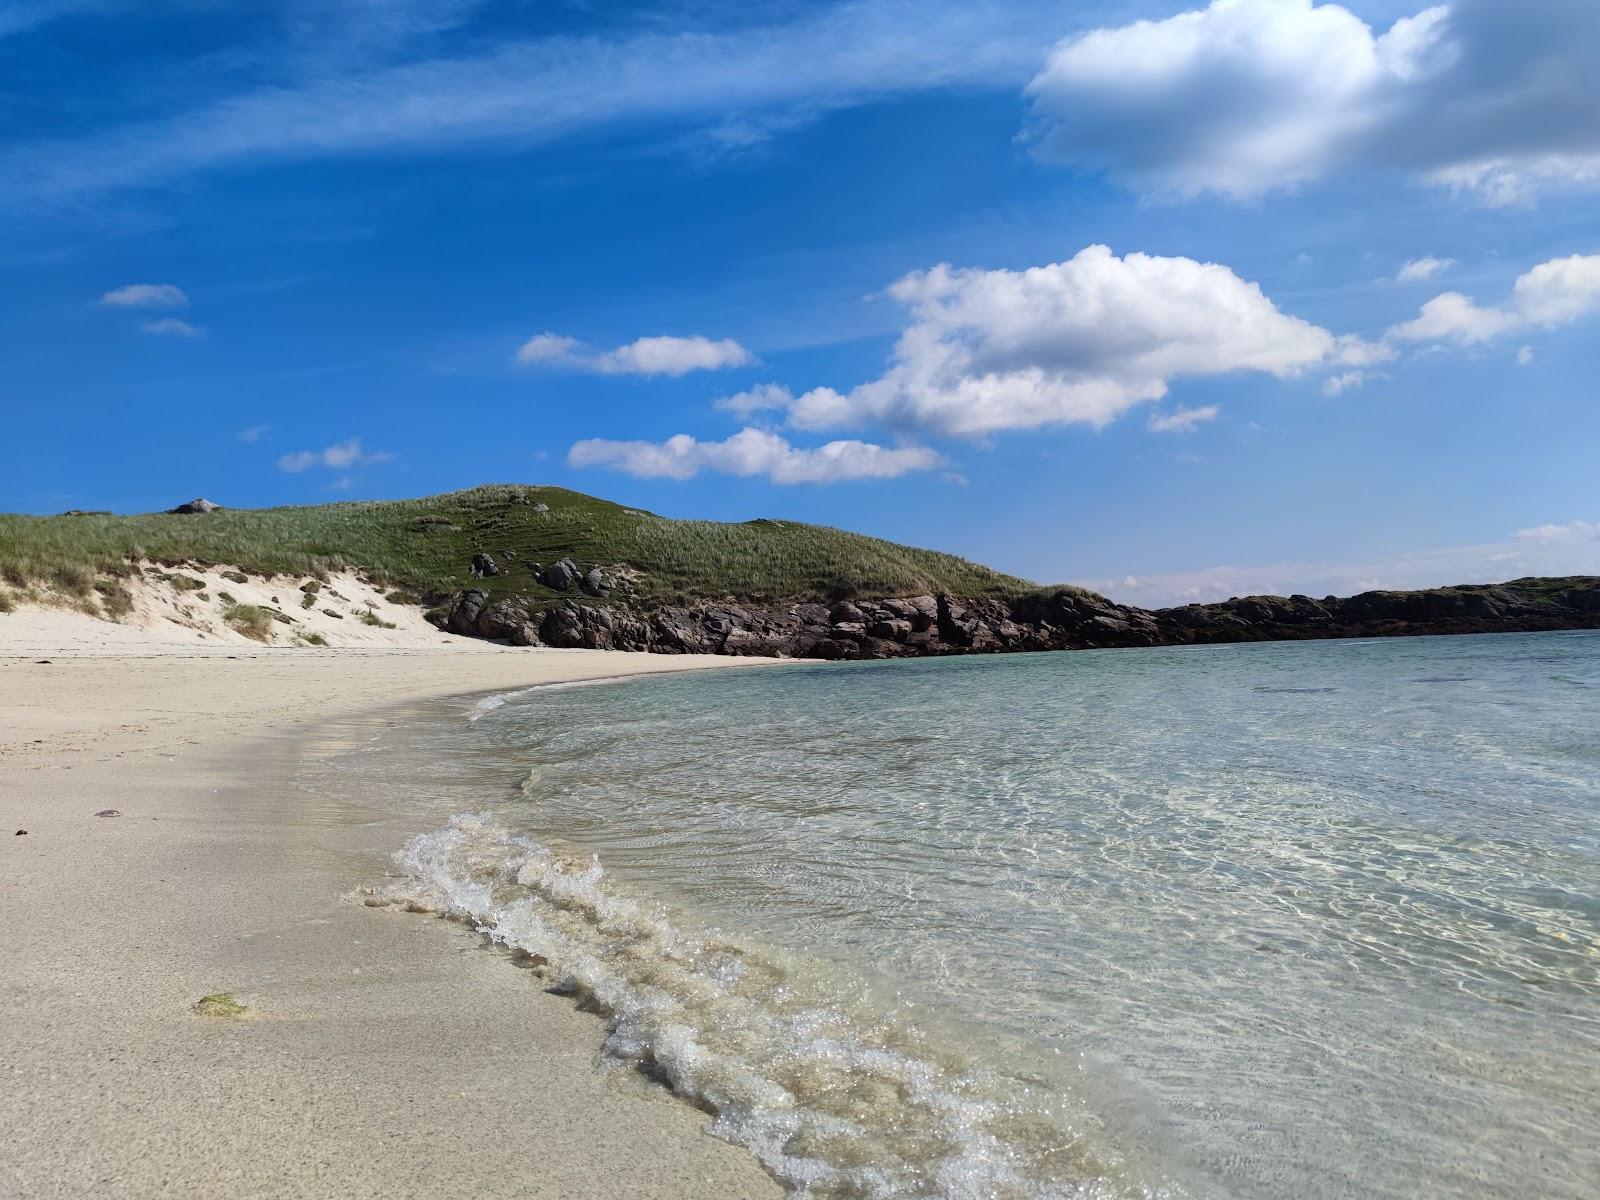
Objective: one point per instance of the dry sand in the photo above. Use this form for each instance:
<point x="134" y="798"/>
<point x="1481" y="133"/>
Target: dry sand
<point x="389" y="1054"/>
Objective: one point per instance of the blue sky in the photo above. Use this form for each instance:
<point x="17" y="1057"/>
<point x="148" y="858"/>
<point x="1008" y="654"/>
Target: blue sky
<point x="1172" y="300"/>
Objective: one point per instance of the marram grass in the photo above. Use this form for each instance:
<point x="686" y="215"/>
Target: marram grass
<point x="426" y="545"/>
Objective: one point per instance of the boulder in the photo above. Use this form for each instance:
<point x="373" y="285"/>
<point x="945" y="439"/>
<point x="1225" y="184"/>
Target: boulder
<point x="845" y="613"/>
<point x="561" y="576"/>
<point x="508" y="620"/>
<point x="594" y="582"/>
<point x="462" y="616"/>
<point x="196" y="506"/>
<point x="483" y="566"/>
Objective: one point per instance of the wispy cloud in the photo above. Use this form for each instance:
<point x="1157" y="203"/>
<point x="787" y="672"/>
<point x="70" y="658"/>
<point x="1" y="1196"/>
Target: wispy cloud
<point x="172" y="327"/>
<point x="1183" y="420"/>
<point x="1569" y="549"/>
<point x="1337" y="385"/>
<point x="253" y="434"/>
<point x="146" y="295"/>
<point x="1572" y="531"/>
<point x="646" y="356"/>
<point x="751" y="453"/>
<point x="526" y="93"/>
<point x="1420" y="270"/>
<point x="340" y="456"/>
<point x="19" y="16"/>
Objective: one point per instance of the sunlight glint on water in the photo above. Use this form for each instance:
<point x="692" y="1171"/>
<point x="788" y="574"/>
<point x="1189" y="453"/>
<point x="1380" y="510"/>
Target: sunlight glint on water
<point x="1313" y="920"/>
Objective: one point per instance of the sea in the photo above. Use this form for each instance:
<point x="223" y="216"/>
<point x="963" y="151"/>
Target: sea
<point x="1315" y="919"/>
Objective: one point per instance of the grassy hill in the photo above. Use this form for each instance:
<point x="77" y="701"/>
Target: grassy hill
<point x="426" y="545"/>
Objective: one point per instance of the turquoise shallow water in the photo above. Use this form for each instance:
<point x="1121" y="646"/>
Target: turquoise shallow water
<point x="1316" y="919"/>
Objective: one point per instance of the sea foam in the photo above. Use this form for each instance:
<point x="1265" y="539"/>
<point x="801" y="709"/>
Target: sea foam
<point x="834" y="1098"/>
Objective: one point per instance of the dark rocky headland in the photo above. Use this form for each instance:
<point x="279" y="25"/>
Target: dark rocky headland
<point x="1053" y="619"/>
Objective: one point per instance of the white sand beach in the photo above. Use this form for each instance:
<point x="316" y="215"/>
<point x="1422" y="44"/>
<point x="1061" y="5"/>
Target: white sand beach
<point x="385" y="1054"/>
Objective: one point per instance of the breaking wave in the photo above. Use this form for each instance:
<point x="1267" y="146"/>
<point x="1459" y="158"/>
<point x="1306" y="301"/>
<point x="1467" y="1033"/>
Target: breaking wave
<point x="489" y="703"/>
<point x="836" y="1093"/>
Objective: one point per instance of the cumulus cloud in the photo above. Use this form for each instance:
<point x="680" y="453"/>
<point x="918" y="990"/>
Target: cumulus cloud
<point x="146" y="295"/>
<point x="753" y="452"/>
<point x="1420" y="270"/>
<point x="338" y="457"/>
<point x="1079" y="341"/>
<point x="764" y="397"/>
<point x="646" y="356"/>
<point x="1245" y="96"/>
<point x="1183" y="420"/>
<point x="1525" y="356"/>
<point x="1553" y="293"/>
<point x="171" y="327"/>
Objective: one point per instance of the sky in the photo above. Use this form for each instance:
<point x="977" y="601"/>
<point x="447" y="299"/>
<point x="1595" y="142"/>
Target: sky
<point x="1176" y="301"/>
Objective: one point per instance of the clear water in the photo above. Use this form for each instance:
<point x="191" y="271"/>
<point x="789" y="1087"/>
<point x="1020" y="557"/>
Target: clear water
<point x="1316" y="919"/>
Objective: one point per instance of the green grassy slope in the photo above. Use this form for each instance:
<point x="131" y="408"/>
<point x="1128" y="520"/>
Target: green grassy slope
<point x="427" y="545"/>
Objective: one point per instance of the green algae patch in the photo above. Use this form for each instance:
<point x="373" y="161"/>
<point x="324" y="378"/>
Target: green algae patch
<point x="223" y="1006"/>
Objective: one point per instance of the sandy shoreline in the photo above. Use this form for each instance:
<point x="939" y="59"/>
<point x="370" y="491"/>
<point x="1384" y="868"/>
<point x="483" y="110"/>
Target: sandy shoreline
<point x="391" y="1055"/>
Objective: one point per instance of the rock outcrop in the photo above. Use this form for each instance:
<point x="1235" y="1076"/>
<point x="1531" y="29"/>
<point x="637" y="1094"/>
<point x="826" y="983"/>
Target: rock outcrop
<point x="198" y="505"/>
<point x="1065" y="619"/>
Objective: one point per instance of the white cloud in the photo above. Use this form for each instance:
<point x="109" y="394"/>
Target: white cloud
<point x="338" y="457"/>
<point x="146" y="295"/>
<point x="753" y="452"/>
<point x="646" y="356"/>
<point x="764" y="397"/>
<point x="1339" y="384"/>
<point x="1245" y="96"/>
<point x="1525" y="356"/>
<point x="1553" y="293"/>
<point x="1572" y="531"/>
<point x="172" y="327"/>
<point x="748" y="74"/>
<point x="1571" y="549"/>
<point x="1076" y="341"/>
<point x="1420" y="270"/>
<point x="1183" y="420"/>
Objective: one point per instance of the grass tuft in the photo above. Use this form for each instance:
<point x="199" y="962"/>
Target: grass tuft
<point x="115" y="600"/>
<point x="251" y="620"/>
<point x="222" y="1006"/>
